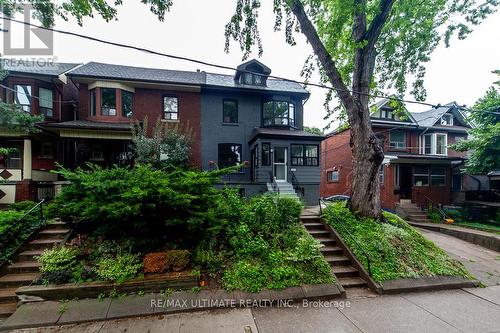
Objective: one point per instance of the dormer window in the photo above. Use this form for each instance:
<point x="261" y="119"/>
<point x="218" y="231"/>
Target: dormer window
<point x="447" y="120"/>
<point x="252" y="73"/>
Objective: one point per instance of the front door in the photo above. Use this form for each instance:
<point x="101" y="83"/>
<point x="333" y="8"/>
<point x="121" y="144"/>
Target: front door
<point x="280" y="164"/>
<point x="405" y="181"/>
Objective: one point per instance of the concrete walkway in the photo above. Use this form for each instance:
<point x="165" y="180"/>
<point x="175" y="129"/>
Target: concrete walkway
<point x="469" y="310"/>
<point x="483" y="263"/>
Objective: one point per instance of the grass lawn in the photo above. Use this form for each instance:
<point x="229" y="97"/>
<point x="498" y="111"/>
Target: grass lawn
<point x="396" y="249"/>
<point x="480" y="226"/>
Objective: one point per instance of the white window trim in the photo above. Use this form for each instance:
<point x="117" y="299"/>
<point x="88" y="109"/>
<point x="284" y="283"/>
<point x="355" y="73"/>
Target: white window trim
<point x="443" y="122"/>
<point x="434" y="144"/>
<point x="397" y="144"/>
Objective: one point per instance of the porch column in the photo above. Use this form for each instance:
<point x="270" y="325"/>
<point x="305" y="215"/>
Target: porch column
<point x="27" y="163"/>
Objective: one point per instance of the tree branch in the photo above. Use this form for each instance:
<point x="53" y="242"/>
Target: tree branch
<point x="322" y="53"/>
<point x="378" y="22"/>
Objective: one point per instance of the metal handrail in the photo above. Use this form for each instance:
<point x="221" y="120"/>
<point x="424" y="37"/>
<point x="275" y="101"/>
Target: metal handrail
<point x="438" y="206"/>
<point x="367" y="257"/>
<point x="42" y="219"/>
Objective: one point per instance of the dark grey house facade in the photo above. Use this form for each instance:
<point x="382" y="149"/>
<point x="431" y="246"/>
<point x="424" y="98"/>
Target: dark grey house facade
<point x="250" y="117"/>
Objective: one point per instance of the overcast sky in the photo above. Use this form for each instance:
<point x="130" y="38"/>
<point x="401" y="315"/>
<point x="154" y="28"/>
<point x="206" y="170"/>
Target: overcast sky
<point x="195" y="29"/>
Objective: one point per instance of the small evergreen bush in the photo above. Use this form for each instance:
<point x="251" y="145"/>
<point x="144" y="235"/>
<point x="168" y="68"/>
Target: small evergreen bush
<point x="124" y="266"/>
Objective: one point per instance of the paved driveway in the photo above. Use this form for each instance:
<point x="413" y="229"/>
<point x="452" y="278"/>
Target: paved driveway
<point x="483" y="263"/>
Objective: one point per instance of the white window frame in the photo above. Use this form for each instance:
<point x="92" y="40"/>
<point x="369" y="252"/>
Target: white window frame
<point x="381" y="174"/>
<point x="434" y="144"/>
<point x="397" y="144"/>
<point x="445" y="122"/>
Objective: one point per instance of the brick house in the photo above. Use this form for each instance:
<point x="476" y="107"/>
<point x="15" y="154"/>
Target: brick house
<point x="419" y="164"/>
<point x="37" y="89"/>
<point x="246" y="116"/>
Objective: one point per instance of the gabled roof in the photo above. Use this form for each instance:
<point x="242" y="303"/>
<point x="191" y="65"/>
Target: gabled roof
<point x="383" y="103"/>
<point x="109" y="71"/>
<point x="430" y="117"/>
<point x="254" y="63"/>
<point x="53" y="69"/>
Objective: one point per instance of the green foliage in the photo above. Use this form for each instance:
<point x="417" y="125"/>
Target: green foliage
<point x="177" y="259"/>
<point x="270" y="249"/>
<point x="434" y="215"/>
<point x="167" y="147"/>
<point x="58" y="259"/>
<point x="46" y="11"/>
<point x="313" y="130"/>
<point x="60" y="265"/>
<point x="118" y="269"/>
<point x="14" y="232"/>
<point x="396" y="250"/>
<point x="142" y="201"/>
<point x="13" y="118"/>
<point x="484" y="138"/>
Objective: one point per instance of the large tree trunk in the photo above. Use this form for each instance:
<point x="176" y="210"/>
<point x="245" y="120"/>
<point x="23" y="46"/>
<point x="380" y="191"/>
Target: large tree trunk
<point x="367" y="156"/>
<point x="367" y="150"/>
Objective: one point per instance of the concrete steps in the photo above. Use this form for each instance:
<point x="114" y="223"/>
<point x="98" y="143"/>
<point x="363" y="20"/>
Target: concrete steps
<point x="347" y="275"/>
<point x="412" y="212"/>
<point x="25" y="268"/>
<point x="284" y="189"/>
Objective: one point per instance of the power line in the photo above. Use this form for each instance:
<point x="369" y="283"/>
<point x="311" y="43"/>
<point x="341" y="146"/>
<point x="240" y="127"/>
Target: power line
<point x="201" y="62"/>
<point x="206" y="63"/>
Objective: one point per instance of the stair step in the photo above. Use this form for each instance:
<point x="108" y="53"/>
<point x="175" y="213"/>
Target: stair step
<point x="7" y="309"/>
<point x="53" y="233"/>
<point x="8" y="295"/>
<point x="16" y="280"/>
<point x="350" y="282"/>
<point x="44" y="243"/>
<point x="56" y="226"/>
<point x="24" y="267"/>
<point x="331" y="250"/>
<point x="338" y="260"/>
<point x="310" y="226"/>
<point x="29" y="255"/>
<point x="327" y="241"/>
<point x="319" y="233"/>
<point x="344" y="271"/>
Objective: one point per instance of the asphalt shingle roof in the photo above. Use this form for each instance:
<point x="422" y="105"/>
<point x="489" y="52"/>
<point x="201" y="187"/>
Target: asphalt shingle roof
<point x="35" y="67"/>
<point x="87" y="124"/>
<point x="109" y="71"/>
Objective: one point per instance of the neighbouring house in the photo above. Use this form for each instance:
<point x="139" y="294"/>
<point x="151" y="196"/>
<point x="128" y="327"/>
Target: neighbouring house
<point x="419" y="164"/>
<point x="246" y="116"/>
<point x="38" y="89"/>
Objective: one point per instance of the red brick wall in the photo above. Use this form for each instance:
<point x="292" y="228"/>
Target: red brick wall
<point x="452" y="138"/>
<point x="35" y="86"/>
<point x="336" y="155"/>
<point x="149" y="102"/>
<point x="25" y="190"/>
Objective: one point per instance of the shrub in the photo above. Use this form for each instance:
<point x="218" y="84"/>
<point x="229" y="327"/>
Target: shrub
<point x="434" y="215"/>
<point x="56" y="277"/>
<point x="155" y="262"/>
<point x="177" y="259"/>
<point x="14" y="232"/>
<point x="126" y="202"/>
<point x="123" y="267"/>
<point x="58" y="259"/>
<point x="22" y="206"/>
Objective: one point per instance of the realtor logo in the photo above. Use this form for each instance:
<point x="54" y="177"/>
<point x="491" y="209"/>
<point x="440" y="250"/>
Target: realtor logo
<point x="29" y="41"/>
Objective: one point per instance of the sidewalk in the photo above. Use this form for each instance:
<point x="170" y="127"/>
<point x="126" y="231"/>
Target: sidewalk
<point x="467" y="310"/>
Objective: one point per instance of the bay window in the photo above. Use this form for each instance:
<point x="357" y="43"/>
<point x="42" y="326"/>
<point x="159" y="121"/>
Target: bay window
<point x="46" y="102"/>
<point x="22" y="97"/>
<point x="278" y="113"/>
<point x="108" y="101"/>
<point x="127" y="103"/>
<point x="266" y="154"/>
<point x="93" y="106"/>
<point x="434" y="144"/>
